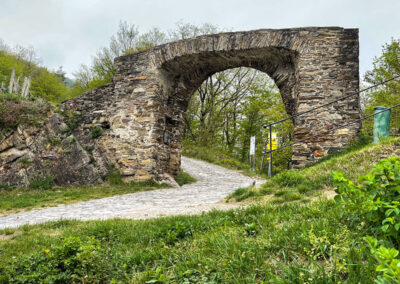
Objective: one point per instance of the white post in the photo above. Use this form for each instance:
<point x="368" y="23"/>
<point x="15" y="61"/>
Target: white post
<point x="252" y="153"/>
<point x="16" y="84"/>
<point x="24" y="87"/>
<point x="12" y="79"/>
<point x="28" y="86"/>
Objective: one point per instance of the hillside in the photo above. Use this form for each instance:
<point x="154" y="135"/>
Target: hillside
<point x="279" y="242"/>
<point x="45" y="83"/>
<point x="316" y="180"/>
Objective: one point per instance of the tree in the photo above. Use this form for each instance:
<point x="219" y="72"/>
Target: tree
<point x="186" y="30"/>
<point x="101" y="71"/>
<point x="386" y="66"/>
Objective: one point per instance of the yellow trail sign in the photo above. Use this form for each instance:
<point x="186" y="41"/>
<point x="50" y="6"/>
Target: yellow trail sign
<point x="274" y="143"/>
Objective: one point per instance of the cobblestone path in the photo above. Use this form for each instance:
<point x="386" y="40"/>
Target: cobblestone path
<point x="213" y="184"/>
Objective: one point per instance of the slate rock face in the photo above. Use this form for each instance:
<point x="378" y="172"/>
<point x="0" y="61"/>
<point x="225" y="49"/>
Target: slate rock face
<point x="48" y="151"/>
<point x="138" y="118"/>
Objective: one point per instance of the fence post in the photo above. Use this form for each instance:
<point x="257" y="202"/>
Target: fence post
<point x="263" y="155"/>
<point x="270" y="152"/>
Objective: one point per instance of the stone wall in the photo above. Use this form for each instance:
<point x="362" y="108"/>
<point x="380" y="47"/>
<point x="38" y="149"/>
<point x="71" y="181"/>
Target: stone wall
<point x="140" y="115"/>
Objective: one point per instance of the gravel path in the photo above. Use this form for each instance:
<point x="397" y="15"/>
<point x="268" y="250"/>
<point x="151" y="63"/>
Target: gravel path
<point x="213" y="184"/>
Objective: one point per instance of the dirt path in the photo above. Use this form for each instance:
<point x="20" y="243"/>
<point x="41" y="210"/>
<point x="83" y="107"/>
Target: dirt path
<point x="213" y="184"/>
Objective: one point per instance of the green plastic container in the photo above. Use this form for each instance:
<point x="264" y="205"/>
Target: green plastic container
<point x="381" y="123"/>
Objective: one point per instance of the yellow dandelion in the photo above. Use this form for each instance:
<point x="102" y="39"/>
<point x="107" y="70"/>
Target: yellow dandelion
<point x="46" y="250"/>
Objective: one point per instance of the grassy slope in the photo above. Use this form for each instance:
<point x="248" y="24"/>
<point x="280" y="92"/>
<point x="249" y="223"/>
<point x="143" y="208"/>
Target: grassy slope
<point x="291" y="241"/>
<point x="315" y="180"/>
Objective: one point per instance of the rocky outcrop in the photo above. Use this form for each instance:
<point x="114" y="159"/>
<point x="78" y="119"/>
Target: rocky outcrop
<point x="51" y="150"/>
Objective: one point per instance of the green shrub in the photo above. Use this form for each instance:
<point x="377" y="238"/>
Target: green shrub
<point x="3" y="186"/>
<point x="89" y="149"/>
<point x="375" y="205"/>
<point x="184" y="178"/>
<point x="289" y="178"/>
<point x="232" y="163"/>
<point x="242" y="193"/>
<point x="42" y="182"/>
<point x="114" y="176"/>
<point x="376" y="201"/>
<point x="177" y="231"/>
<point x="95" y="132"/>
<point x="25" y="162"/>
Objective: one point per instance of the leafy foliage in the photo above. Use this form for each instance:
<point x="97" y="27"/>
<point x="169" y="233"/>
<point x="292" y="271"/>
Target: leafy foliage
<point x="385" y="66"/>
<point x="376" y="201"/>
<point x="375" y="204"/>
<point x="95" y="132"/>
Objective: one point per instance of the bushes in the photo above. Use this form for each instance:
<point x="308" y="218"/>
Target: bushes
<point x="375" y="204"/>
<point x="42" y="182"/>
<point x="289" y="178"/>
<point x="114" y="176"/>
<point x="95" y="132"/>
<point x="376" y="201"/>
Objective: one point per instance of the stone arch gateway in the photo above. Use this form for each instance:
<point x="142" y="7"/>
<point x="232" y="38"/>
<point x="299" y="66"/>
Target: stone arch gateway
<point x="142" y="110"/>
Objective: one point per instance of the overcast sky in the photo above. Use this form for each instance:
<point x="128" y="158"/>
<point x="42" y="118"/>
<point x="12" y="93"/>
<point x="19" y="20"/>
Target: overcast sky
<point x="68" y="32"/>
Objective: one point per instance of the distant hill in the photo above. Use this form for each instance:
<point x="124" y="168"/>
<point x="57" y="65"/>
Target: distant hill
<point x="45" y="83"/>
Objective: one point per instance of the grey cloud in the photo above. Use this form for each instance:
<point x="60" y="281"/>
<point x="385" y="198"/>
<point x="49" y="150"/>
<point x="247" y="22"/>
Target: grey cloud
<point x="69" y="32"/>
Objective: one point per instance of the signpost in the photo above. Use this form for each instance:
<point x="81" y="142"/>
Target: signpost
<point x="253" y="153"/>
<point x="271" y="143"/>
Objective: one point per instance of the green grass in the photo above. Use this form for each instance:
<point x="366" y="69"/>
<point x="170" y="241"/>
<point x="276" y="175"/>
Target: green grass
<point x="312" y="181"/>
<point x="14" y="200"/>
<point x="184" y="178"/>
<point x="287" y="243"/>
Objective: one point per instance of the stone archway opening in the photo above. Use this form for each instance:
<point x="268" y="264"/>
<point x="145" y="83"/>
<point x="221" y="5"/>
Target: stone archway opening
<point x="184" y="75"/>
<point x="231" y="106"/>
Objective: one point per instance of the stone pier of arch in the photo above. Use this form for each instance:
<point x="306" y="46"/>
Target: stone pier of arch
<point x="142" y="111"/>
